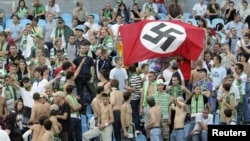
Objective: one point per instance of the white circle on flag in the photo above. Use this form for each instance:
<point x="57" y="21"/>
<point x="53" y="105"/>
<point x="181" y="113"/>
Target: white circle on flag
<point x="157" y="42"/>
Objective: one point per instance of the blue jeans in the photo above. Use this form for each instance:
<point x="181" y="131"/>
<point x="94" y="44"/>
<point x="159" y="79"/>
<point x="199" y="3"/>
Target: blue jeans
<point x="177" y="135"/>
<point x="76" y="128"/>
<point x="136" y="113"/>
<point x="246" y="105"/>
<point x="162" y="8"/>
<point x="200" y="136"/>
<point x="155" y="134"/>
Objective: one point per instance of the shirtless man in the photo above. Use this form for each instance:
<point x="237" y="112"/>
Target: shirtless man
<point x="106" y="118"/>
<point x="43" y="100"/>
<point x="155" y="114"/>
<point x="48" y="135"/>
<point x="116" y="101"/>
<point x="37" y="130"/>
<point x="126" y="118"/>
<point x="149" y="89"/>
<point x="4" y="109"/>
<point x="37" y="110"/>
<point x="178" y="133"/>
<point x="96" y="102"/>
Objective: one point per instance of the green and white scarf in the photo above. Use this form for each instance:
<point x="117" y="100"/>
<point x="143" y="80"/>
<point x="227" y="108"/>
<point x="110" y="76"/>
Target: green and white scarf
<point x="197" y="105"/>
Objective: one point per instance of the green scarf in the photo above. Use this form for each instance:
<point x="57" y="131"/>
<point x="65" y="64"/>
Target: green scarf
<point x="238" y="84"/>
<point x="146" y="85"/>
<point x="163" y="102"/>
<point x="9" y="94"/>
<point x="197" y="105"/>
<point x="62" y="81"/>
<point x="179" y="91"/>
<point x="4" y="47"/>
<point x="74" y="102"/>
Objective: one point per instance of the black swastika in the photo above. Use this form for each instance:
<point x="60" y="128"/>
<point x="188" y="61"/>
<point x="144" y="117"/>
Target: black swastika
<point x="162" y="34"/>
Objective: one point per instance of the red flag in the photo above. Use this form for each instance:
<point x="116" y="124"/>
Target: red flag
<point x="154" y="39"/>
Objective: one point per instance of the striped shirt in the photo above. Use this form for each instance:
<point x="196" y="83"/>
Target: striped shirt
<point x="135" y="80"/>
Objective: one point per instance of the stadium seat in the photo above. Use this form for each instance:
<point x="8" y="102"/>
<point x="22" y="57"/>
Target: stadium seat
<point x="96" y="16"/>
<point x="8" y="23"/>
<point x="7" y="17"/>
<point x="1" y="28"/>
<point x="208" y="23"/>
<point x="162" y="16"/>
<point x="193" y="21"/>
<point x="67" y="17"/>
<point x="23" y="22"/>
<point x="41" y="23"/>
<point x="216" y="21"/>
<point x="186" y="16"/>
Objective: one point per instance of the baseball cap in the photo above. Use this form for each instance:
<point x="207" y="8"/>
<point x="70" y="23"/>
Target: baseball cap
<point x="79" y="29"/>
<point x="160" y="81"/>
<point x="59" y="93"/>
<point x="42" y="94"/>
<point x="54" y="107"/>
<point x="87" y="24"/>
<point x="156" y="68"/>
<point x="60" y="20"/>
<point x="174" y="65"/>
<point x="202" y="70"/>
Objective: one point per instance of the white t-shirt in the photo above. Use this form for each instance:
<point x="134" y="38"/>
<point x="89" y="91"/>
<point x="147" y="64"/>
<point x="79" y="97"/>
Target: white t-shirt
<point x="200" y="118"/>
<point x="167" y="74"/>
<point x="27" y="97"/>
<point x="199" y="9"/>
<point x="121" y="75"/>
<point x="38" y="86"/>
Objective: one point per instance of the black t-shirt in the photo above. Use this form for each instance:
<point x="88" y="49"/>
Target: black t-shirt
<point x="211" y="10"/>
<point x="85" y="71"/>
<point x="231" y="16"/>
<point x="65" y="123"/>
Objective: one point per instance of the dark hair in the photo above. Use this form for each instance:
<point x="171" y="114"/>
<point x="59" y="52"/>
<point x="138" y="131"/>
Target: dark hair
<point x="69" y="74"/>
<point x="39" y="70"/>
<point x="218" y="57"/>
<point x="25" y="80"/>
<point x="228" y="112"/>
<point x="47" y="124"/>
<point x="144" y="65"/>
<point x="226" y="87"/>
<point x="151" y="101"/>
<point x="132" y="68"/>
<point x="36" y="96"/>
<point x="53" y="112"/>
<point x="104" y="73"/>
<point x="42" y="119"/>
<point x="15" y="106"/>
<point x="85" y="43"/>
<point x="240" y="66"/>
<point x="69" y="89"/>
<point x="99" y="89"/>
<point x="126" y="95"/>
<point x="11" y="118"/>
<point x="66" y="65"/>
<point x="105" y="95"/>
<point x="114" y="83"/>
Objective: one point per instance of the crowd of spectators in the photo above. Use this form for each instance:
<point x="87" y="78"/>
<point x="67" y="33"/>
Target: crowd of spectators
<point x="65" y="80"/>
